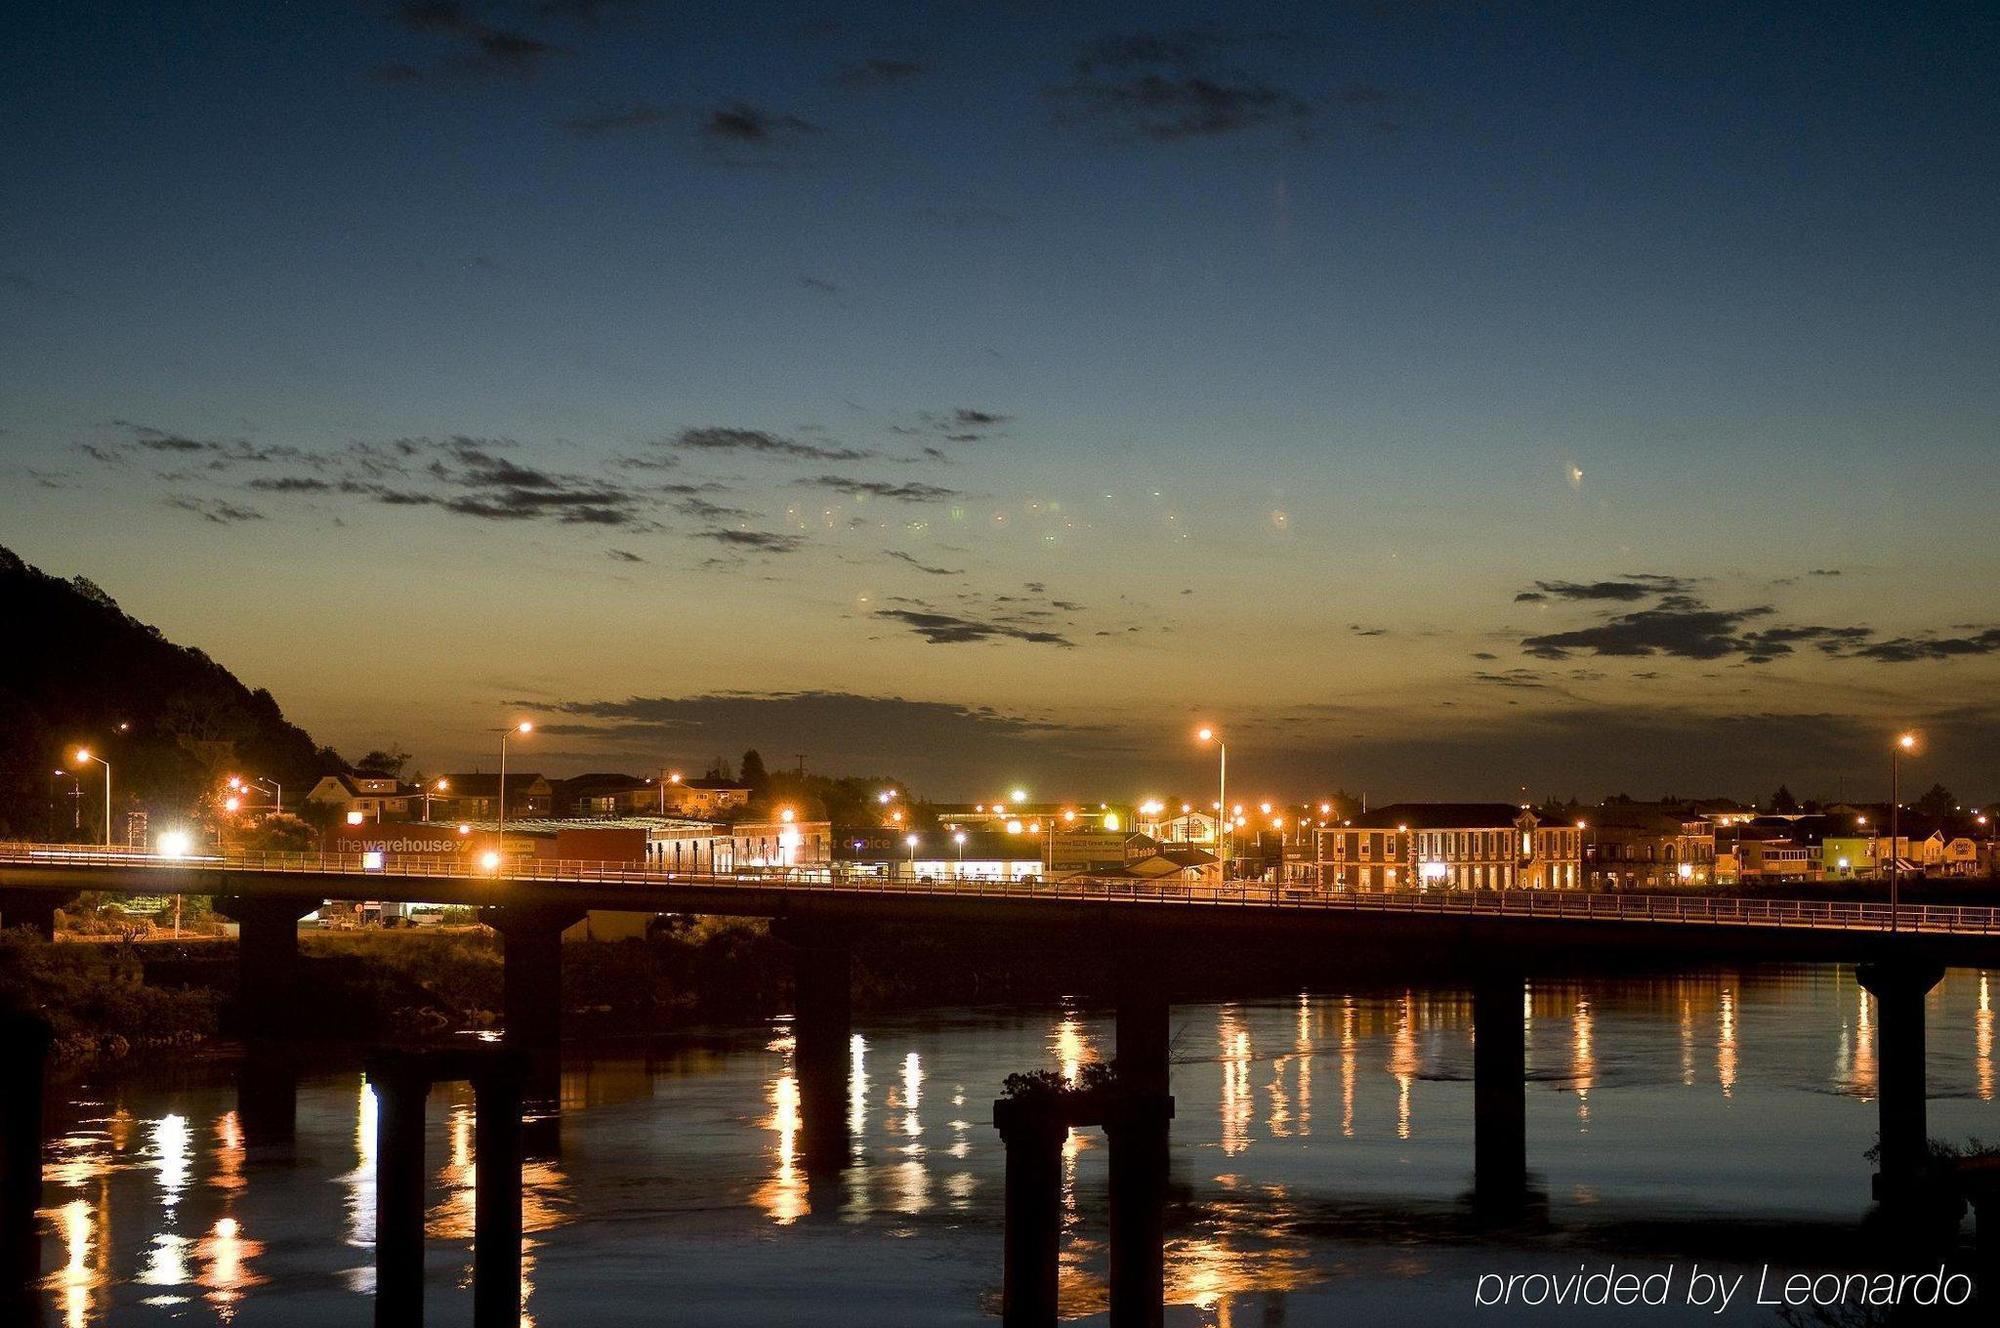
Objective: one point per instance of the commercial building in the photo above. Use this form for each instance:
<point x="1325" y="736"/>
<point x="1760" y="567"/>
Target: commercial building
<point x="1647" y="846"/>
<point x="1449" y="846"/>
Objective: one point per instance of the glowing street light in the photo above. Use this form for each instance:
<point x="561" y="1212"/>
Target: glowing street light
<point x="523" y="728"/>
<point x="1019" y="795"/>
<point x="958" y="838"/>
<point x="1207" y="734"/>
<point x="910" y="841"/>
<point x="436" y="788"/>
<point x="83" y="757"/>
<point x="1904" y="743"/>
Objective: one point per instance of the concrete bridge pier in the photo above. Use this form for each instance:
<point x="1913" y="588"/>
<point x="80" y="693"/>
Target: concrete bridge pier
<point x="1144" y="1041"/>
<point x="1033" y="1133"/>
<point x="24" y="1053"/>
<point x="402" y="1082"/>
<point x="822" y="1053"/>
<point x="1499" y="1092"/>
<point x="401" y="1086"/>
<point x="531" y="1001"/>
<point x="1899" y="987"/>
<point x="267" y="959"/>
<point x="34" y="909"/>
<point x="496" y="1210"/>
<point x="1135" y="1128"/>
<point x="267" y="1097"/>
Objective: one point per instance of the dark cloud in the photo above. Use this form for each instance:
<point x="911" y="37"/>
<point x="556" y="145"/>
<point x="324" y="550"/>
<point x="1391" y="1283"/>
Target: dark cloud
<point x="696" y="506"/>
<point x="634" y="118"/>
<point x="1524" y="678"/>
<point x="921" y="566"/>
<point x="763" y="541"/>
<point x="623" y="556"/>
<point x="218" y="511"/>
<point x="1174" y="85"/>
<point x="721" y="439"/>
<point x="910" y="492"/>
<point x="481" y="47"/>
<point x="1909" y="649"/>
<point x="1630" y="588"/>
<point x="820" y="284"/>
<point x="290" y="484"/>
<point x="878" y="73"/>
<point x="740" y="122"/>
<point x="951" y="629"/>
<point x="1683" y="627"/>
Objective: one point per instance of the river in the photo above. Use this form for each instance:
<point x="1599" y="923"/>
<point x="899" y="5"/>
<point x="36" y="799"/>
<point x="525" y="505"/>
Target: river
<point x="1320" y="1162"/>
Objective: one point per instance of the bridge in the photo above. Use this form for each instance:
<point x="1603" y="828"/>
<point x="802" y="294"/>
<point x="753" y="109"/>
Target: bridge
<point x="1141" y="935"/>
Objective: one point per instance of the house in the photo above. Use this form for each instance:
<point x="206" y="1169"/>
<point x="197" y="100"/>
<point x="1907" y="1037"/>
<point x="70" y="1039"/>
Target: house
<point x="364" y="797"/>
<point x="1449" y="846"/>
<point x="705" y="799"/>
<point x="606" y="795"/>
<point x="475" y="797"/>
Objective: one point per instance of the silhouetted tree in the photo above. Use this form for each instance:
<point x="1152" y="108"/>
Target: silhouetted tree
<point x="751" y="771"/>
<point x="1782" y="801"/>
<point x="1938" y="804"/>
<point x="391" y="762"/>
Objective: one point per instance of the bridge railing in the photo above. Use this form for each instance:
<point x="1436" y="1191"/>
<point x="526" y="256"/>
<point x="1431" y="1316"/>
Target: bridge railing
<point x="1699" y="910"/>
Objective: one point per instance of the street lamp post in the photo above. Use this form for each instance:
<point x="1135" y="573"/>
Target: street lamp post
<point x="84" y="756"/>
<point x="958" y="838"/>
<point x="911" y="842"/>
<point x="429" y="791"/>
<point x="1222" y="837"/>
<point x="667" y="777"/>
<point x="277" y="794"/>
<point x="524" y="727"/>
<point x="1905" y="743"/>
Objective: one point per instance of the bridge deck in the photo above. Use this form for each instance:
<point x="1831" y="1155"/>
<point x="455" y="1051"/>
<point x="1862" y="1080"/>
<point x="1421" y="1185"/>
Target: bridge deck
<point x="355" y="876"/>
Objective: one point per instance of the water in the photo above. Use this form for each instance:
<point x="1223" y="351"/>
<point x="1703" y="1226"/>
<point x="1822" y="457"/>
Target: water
<point x="1321" y="1157"/>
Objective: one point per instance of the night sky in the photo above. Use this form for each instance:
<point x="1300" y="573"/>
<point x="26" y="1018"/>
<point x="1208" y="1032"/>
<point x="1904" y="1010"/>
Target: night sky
<point x="1443" y="399"/>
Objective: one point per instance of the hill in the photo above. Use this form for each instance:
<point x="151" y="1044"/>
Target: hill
<point x="171" y="720"/>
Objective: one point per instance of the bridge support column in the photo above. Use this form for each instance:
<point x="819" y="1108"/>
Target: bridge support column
<point x="531" y="989"/>
<point x="267" y="958"/>
<point x="822" y="1042"/>
<point x="401" y="1088"/>
<point x="1033" y="1135"/>
<point x="1136" y="1134"/>
<point x="267" y="1097"/>
<point x="1899" y="987"/>
<point x="34" y="909"/>
<point x="1144" y="1041"/>
<point x="24" y="1053"/>
<point x="496" y="1235"/>
<point x="1499" y="1092"/>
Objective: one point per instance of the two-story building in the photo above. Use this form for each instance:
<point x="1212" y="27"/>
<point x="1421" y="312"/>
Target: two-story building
<point x="1450" y="846"/>
<point x="364" y="797"/>
<point x="1647" y="846"/>
<point x="476" y="797"/>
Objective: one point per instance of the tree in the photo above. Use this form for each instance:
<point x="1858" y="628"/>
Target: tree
<point x="1938" y="804"/>
<point x="1783" y="802"/>
<point x="390" y="762"/>
<point x="751" y="771"/>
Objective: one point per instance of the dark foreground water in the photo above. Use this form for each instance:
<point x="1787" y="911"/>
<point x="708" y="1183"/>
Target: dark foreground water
<point x="1320" y="1162"/>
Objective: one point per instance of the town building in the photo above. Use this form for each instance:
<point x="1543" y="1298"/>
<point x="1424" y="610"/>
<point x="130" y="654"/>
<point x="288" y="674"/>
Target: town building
<point x="353" y="798"/>
<point x="476" y="797"/>
<point x="1449" y="846"/>
<point x="1647" y="846"/>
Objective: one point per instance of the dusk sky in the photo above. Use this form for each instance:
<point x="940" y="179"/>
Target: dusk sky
<point x="1442" y="399"/>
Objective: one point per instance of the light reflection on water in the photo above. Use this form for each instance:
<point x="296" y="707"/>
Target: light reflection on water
<point x="1718" y="1093"/>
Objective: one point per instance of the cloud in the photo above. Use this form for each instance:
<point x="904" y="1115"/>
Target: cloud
<point x="1683" y="627"/>
<point x="1524" y="678"/>
<point x="1631" y="588"/>
<point x="922" y="566"/>
<point x="911" y="492"/>
<point x="820" y="284"/>
<point x="722" y="439"/>
<point x="763" y="541"/>
<point x="481" y="47"/>
<point x="290" y="484"/>
<point x="1165" y="86"/>
<point x="950" y="629"/>
<point x="638" y="116"/>
<point x="741" y="122"/>
<point x="216" y="510"/>
<point x="623" y="556"/>
<point x="877" y="73"/>
<point x="1909" y="649"/>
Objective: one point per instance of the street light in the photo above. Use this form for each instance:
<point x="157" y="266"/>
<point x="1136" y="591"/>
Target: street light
<point x="1905" y="743"/>
<point x="1206" y="734"/>
<point x="958" y="838"/>
<point x="431" y="790"/>
<point x="277" y="793"/>
<point x="667" y="777"/>
<point x="911" y="841"/>
<point x="83" y="757"/>
<point x="524" y="727"/>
